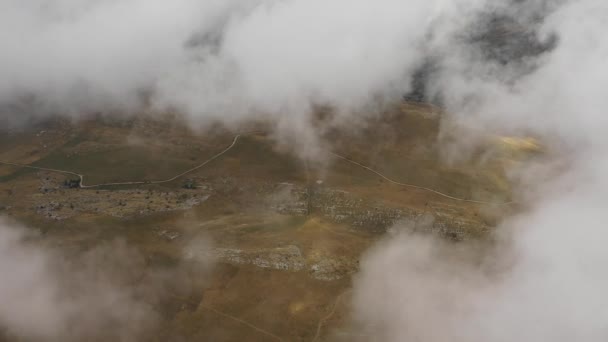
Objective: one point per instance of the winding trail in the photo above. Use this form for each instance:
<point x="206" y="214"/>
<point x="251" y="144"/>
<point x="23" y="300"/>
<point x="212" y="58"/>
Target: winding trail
<point x="83" y="186"/>
<point x="416" y="186"/>
<point x="234" y="141"/>
<point x="233" y="318"/>
<point x="41" y="168"/>
<point x="243" y="322"/>
<point x="324" y="320"/>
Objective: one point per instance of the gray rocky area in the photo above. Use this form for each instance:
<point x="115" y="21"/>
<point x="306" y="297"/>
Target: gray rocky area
<point x="369" y="215"/>
<point x="285" y="258"/>
<point x="55" y="202"/>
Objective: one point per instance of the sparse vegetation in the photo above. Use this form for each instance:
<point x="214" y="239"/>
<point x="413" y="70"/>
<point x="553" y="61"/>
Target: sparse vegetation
<point x="296" y="248"/>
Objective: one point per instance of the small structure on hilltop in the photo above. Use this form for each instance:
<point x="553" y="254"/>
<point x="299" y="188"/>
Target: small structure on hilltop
<point x="189" y="184"/>
<point x="72" y="183"/>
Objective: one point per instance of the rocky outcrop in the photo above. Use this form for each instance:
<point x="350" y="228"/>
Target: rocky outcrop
<point x="372" y="216"/>
<point x="285" y="258"/>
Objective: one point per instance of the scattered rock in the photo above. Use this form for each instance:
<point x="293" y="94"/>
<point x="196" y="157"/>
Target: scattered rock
<point x="287" y="258"/>
<point x="169" y="235"/>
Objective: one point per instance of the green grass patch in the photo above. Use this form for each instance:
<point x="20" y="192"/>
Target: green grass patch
<point x="18" y="173"/>
<point x="123" y="164"/>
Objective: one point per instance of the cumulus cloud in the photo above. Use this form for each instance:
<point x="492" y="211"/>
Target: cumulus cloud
<point x="238" y="60"/>
<point x="543" y="279"/>
<point x="228" y="60"/>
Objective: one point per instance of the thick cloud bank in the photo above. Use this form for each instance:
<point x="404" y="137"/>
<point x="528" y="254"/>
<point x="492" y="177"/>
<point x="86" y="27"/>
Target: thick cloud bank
<point x="228" y="60"/>
<point x="212" y="60"/>
<point x="206" y="56"/>
<point x="234" y="60"/>
<point x="215" y="59"/>
<point x="546" y="279"/>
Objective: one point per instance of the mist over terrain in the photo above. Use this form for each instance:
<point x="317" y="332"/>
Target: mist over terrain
<point x="544" y="281"/>
<point x="229" y="60"/>
<point x="105" y="293"/>
<point x="522" y="67"/>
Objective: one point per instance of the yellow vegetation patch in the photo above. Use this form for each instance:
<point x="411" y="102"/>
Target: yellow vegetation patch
<point x="296" y="307"/>
<point x="520" y="144"/>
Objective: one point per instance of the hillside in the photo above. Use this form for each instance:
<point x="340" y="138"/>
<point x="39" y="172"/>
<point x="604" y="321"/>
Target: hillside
<point x="284" y="236"/>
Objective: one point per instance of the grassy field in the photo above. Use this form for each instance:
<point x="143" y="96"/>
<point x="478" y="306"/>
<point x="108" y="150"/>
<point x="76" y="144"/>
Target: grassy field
<point x="289" y="304"/>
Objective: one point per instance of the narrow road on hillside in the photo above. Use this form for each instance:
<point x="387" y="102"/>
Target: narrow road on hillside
<point x="416" y="186"/>
<point x="243" y="322"/>
<point x="236" y="138"/>
<point x="83" y="186"/>
<point x="325" y="319"/>
<point x="231" y="317"/>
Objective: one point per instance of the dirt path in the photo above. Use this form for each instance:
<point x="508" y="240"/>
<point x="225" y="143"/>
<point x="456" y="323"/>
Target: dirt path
<point x="325" y="319"/>
<point x="233" y="318"/>
<point x="416" y="186"/>
<point x="243" y="322"/>
<point x="83" y="186"/>
<point x="41" y="168"/>
<point x="236" y="138"/>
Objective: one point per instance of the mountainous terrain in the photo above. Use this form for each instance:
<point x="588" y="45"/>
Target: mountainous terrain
<point x="258" y="243"/>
